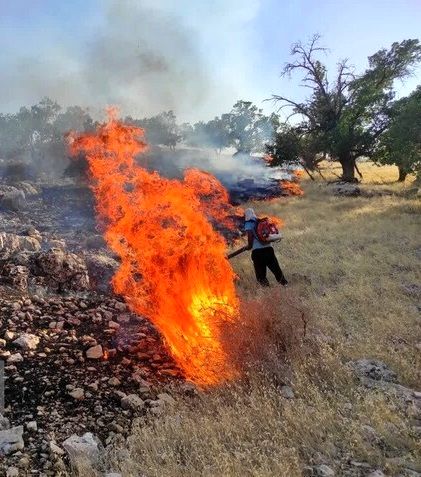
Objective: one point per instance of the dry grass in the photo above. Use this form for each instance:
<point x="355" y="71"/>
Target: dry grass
<point x="354" y="263"/>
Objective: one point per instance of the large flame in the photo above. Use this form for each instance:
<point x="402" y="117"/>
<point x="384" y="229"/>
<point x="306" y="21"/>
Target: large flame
<point x="173" y="267"/>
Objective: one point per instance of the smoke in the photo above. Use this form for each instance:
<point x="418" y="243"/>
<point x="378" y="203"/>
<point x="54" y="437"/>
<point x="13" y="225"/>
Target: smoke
<point x="144" y="56"/>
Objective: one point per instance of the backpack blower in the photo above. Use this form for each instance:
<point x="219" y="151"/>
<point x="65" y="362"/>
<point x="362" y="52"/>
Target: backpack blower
<point x="265" y="231"/>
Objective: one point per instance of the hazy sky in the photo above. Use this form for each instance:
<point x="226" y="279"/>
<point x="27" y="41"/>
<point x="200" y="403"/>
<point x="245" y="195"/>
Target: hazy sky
<point x="194" y="56"/>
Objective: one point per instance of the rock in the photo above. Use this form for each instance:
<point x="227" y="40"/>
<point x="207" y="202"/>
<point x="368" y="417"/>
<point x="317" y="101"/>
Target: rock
<point x="369" y="434"/>
<point x="9" y="335"/>
<point x="77" y="393"/>
<point x="55" y="449"/>
<point x="12" y="198"/>
<point x="287" y="392"/>
<point x="11" y="244"/>
<point x="27" y="341"/>
<point x="32" y="426"/>
<point x="4" y="423"/>
<point x="95" y="352"/>
<point x="346" y="189"/>
<point x="132" y="402"/>
<point x="101" y="269"/>
<point x="11" y="440"/>
<point x="376" y="473"/>
<point x="166" y="399"/>
<point x="63" y="271"/>
<point x="114" y="382"/>
<point x="12" y="472"/>
<point x="15" y="358"/>
<point x="113" y="474"/>
<point x="82" y="447"/>
<point x="324" y="470"/>
<point x="373" y="369"/>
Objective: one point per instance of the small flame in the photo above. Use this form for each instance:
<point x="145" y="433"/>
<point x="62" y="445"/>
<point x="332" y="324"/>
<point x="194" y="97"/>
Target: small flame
<point x="292" y="188"/>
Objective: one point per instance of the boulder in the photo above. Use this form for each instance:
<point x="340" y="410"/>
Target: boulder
<point x="12" y="198"/>
<point x="373" y="369"/>
<point x="11" y="440"/>
<point x="101" y="269"/>
<point x="10" y="244"/>
<point x="62" y="271"/>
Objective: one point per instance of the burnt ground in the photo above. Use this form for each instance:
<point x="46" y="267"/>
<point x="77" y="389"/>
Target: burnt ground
<point x="55" y="386"/>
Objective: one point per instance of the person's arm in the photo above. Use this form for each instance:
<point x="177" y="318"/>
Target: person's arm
<point x="250" y="238"/>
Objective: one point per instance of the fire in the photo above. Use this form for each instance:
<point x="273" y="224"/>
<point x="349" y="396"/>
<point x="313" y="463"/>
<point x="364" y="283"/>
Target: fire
<point x="173" y="268"/>
<point x="292" y="188"/>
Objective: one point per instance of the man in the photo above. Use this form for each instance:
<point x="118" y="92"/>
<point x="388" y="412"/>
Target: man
<point x="262" y="254"/>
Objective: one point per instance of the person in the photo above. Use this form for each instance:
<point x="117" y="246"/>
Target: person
<point x="262" y="254"/>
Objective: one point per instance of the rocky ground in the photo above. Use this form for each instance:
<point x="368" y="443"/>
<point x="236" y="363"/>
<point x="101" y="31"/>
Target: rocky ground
<point x="75" y="359"/>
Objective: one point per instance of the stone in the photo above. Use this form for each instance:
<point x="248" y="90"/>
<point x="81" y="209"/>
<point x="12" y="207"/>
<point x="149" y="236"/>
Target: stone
<point x="15" y="358"/>
<point x="11" y="440"/>
<point x="32" y="426"/>
<point x="324" y="470"/>
<point x="373" y="369"/>
<point x="12" y="198"/>
<point x="77" y="393"/>
<point x="27" y="341"/>
<point x="287" y="392"/>
<point x="132" y="402"/>
<point x="82" y="447"/>
<point x="12" y="472"/>
<point x="376" y="473"/>
<point x="166" y="399"/>
<point x="55" y="449"/>
<point x="114" y="381"/>
<point x="101" y="269"/>
<point x="113" y="474"/>
<point x="95" y="352"/>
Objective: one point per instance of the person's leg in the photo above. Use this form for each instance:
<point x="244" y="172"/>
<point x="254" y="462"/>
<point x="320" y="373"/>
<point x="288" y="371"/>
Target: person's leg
<point x="259" y="263"/>
<point x="273" y="265"/>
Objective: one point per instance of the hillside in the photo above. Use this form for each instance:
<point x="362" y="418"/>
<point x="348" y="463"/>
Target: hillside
<point x="353" y="265"/>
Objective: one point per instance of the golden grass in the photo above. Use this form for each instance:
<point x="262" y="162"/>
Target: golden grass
<point x="353" y="263"/>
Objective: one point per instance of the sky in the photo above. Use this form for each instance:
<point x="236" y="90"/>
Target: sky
<point x="196" y="57"/>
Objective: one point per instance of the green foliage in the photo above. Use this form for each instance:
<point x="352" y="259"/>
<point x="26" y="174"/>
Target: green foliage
<point x="249" y="129"/>
<point x="346" y="118"/>
<point x="401" y="143"/>
<point x="161" y="129"/>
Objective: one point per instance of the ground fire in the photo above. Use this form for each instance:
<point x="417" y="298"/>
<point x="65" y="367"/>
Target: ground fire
<point x="173" y="267"/>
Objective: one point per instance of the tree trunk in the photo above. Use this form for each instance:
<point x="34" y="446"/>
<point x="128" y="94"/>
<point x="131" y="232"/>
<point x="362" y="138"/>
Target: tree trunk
<point x="402" y="174"/>
<point x="348" y="168"/>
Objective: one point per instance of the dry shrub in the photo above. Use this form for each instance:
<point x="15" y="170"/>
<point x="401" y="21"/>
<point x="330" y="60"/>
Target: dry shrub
<point x="269" y="334"/>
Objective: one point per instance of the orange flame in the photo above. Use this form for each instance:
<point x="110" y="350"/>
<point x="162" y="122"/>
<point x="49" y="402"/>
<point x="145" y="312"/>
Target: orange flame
<point x="173" y="268"/>
<point x="292" y="188"/>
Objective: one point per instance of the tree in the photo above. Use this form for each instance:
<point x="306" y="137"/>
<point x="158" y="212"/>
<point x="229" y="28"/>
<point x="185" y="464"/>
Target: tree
<point x="401" y="143"/>
<point x="349" y="115"/>
<point x="161" y="129"/>
<point x="249" y="129"/>
<point x="293" y="147"/>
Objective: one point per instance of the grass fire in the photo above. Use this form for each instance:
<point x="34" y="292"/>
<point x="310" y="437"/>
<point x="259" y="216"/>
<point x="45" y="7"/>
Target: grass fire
<point x="210" y="239"/>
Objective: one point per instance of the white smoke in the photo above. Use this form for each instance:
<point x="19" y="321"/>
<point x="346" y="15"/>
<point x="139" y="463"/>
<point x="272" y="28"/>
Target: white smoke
<point x="144" y="56"/>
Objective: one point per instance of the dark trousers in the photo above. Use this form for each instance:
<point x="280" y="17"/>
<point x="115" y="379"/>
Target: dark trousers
<point x="265" y="257"/>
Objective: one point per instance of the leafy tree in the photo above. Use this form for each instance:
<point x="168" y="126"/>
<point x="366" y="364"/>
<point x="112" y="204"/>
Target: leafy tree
<point x="161" y="129"/>
<point x="349" y="115"/>
<point x="292" y="147"/>
<point x="401" y="143"/>
<point x="249" y="129"/>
